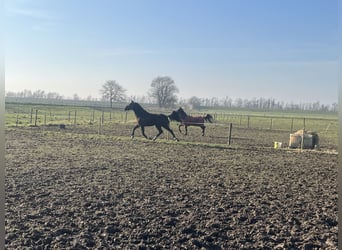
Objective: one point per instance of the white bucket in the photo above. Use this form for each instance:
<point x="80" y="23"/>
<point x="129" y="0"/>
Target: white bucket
<point x="277" y="144"/>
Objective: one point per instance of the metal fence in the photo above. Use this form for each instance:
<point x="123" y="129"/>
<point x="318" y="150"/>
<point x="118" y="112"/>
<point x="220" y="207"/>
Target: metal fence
<point x="239" y="129"/>
<point x="19" y="115"/>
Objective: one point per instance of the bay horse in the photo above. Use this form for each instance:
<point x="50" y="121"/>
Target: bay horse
<point x="145" y="119"/>
<point x="187" y="120"/>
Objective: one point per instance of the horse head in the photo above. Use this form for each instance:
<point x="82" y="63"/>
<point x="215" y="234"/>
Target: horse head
<point x="130" y="106"/>
<point x="174" y="116"/>
<point x="181" y="113"/>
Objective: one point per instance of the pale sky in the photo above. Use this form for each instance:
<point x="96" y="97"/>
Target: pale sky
<point x="210" y="48"/>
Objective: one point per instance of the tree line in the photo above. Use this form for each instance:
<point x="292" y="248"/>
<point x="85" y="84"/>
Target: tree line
<point x="163" y="92"/>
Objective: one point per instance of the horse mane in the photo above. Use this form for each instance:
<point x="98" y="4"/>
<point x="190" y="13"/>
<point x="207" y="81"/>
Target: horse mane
<point x="139" y="108"/>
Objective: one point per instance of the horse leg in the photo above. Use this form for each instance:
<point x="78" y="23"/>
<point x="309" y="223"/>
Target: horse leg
<point x="179" y="126"/>
<point x="135" y="127"/>
<point x="159" y="133"/>
<point x="171" y="132"/>
<point x="143" y="132"/>
<point x="203" y="130"/>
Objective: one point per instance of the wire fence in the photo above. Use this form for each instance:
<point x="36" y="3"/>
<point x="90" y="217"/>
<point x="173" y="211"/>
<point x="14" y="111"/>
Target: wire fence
<point x="44" y="116"/>
<point x="95" y="120"/>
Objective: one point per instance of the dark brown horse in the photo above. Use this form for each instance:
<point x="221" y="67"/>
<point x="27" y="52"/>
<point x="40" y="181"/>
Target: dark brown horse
<point x="187" y="120"/>
<point x="145" y="119"/>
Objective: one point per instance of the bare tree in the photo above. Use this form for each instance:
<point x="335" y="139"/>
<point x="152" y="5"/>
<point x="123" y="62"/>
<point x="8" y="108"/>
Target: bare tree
<point x="27" y="93"/>
<point x="113" y="91"/>
<point x="53" y="95"/>
<point x="163" y="90"/>
<point x="334" y="106"/>
<point x="227" y="102"/>
<point x="38" y="94"/>
<point x="195" y="102"/>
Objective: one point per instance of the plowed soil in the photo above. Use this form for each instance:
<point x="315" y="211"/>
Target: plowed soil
<point x="75" y="190"/>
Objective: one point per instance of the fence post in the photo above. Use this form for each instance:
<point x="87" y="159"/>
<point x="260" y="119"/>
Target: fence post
<point x="36" y="118"/>
<point x="45" y="119"/>
<point x="271" y="124"/>
<point x="75" y="118"/>
<point x="102" y="116"/>
<point x="291" y="125"/>
<point x="230" y="133"/>
<point x="69" y="116"/>
<point x="31" y="115"/>
<point x="100" y="125"/>
<point x="248" y="121"/>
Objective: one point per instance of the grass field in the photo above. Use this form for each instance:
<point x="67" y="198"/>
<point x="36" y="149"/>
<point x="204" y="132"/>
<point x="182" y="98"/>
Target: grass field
<point x="325" y="124"/>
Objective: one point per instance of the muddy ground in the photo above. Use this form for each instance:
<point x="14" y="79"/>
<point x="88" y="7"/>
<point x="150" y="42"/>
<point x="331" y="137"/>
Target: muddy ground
<point x="68" y="189"/>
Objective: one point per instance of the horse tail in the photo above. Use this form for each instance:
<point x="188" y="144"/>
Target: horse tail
<point x="209" y="118"/>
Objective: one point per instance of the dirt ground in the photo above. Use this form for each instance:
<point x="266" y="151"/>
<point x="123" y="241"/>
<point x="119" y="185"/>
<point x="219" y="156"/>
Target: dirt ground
<point x="75" y="190"/>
